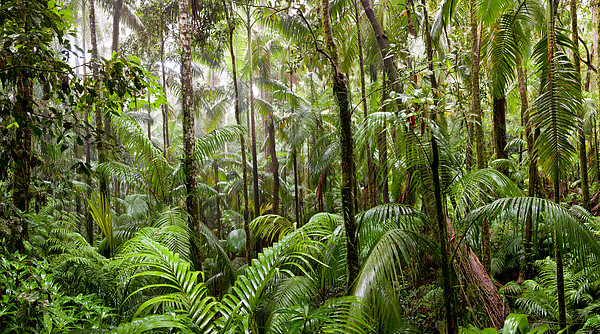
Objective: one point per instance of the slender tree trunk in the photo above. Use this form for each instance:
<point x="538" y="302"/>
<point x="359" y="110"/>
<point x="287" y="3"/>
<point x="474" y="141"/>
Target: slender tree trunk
<point x="149" y="118"/>
<point x="527" y="270"/>
<point x="585" y="188"/>
<point x="443" y="234"/>
<point x="89" y="223"/>
<point x="499" y="120"/>
<point x="371" y="170"/>
<point x="252" y="120"/>
<point x="477" y="126"/>
<point x="560" y="284"/>
<point x="340" y="90"/>
<point x="100" y="127"/>
<point x="116" y="23"/>
<point x="274" y="162"/>
<point x="218" y="201"/>
<point x="164" y="107"/>
<point x="238" y="120"/>
<point x="382" y="143"/>
<point x="560" y="280"/>
<point x="475" y="94"/>
<point x="187" y="108"/>
<point x="296" y="193"/>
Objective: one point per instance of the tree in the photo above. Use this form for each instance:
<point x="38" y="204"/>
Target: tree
<point x="187" y="108"/>
<point x="340" y="90"/>
<point x="556" y="115"/>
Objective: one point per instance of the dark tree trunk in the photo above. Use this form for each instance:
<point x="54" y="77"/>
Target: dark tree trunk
<point x="443" y="233"/>
<point x="340" y="90"/>
<point x="384" y="46"/>
<point x="382" y="143"/>
<point x="218" y="201"/>
<point x="499" y="120"/>
<point x="296" y="193"/>
<point x="583" y="163"/>
<point x="274" y="163"/>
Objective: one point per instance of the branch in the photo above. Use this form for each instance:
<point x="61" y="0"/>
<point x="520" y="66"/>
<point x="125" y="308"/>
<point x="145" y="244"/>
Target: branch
<point x="588" y="56"/>
<point x="315" y="40"/>
<point x="32" y="68"/>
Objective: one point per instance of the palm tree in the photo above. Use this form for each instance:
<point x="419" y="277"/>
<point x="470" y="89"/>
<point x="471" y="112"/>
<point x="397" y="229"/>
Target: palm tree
<point x="556" y="115"/>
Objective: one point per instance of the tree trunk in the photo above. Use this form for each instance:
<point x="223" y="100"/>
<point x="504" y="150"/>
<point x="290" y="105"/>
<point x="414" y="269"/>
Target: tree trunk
<point x="100" y="126"/>
<point x="164" y="107"/>
<point x="499" y="120"/>
<point x="256" y="192"/>
<point x="382" y="143"/>
<point x="443" y="234"/>
<point x="274" y="163"/>
<point x="296" y="195"/>
<point x="238" y="120"/>
<point x="372" y="185"/>
<point x="382" y="43"/>
<point x="23" y="162"/>
<point x="149" y="118"/>
<point x="340" y="90"/>
<point x="116" y="23"/>
<point x="187" y="108"/>
<point x="527" y="270"/>
<point x="560" y="284"/>
<point x="89" y="223"/>
<point x="478" y="126"/>
<point x="585" y="188"/>
<point x="218" y="201"/>
<point x="475" y="94"/>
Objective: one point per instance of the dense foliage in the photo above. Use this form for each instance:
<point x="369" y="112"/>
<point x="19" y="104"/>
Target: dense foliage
<point x="299" y="167"/>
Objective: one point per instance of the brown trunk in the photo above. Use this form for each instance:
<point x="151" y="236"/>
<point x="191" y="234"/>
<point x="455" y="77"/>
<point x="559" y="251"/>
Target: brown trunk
<point x="482" y="291"/>
<point x="499" y="120"/>
<point x="187" y="109"/>
<point x="116" y="22"/>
